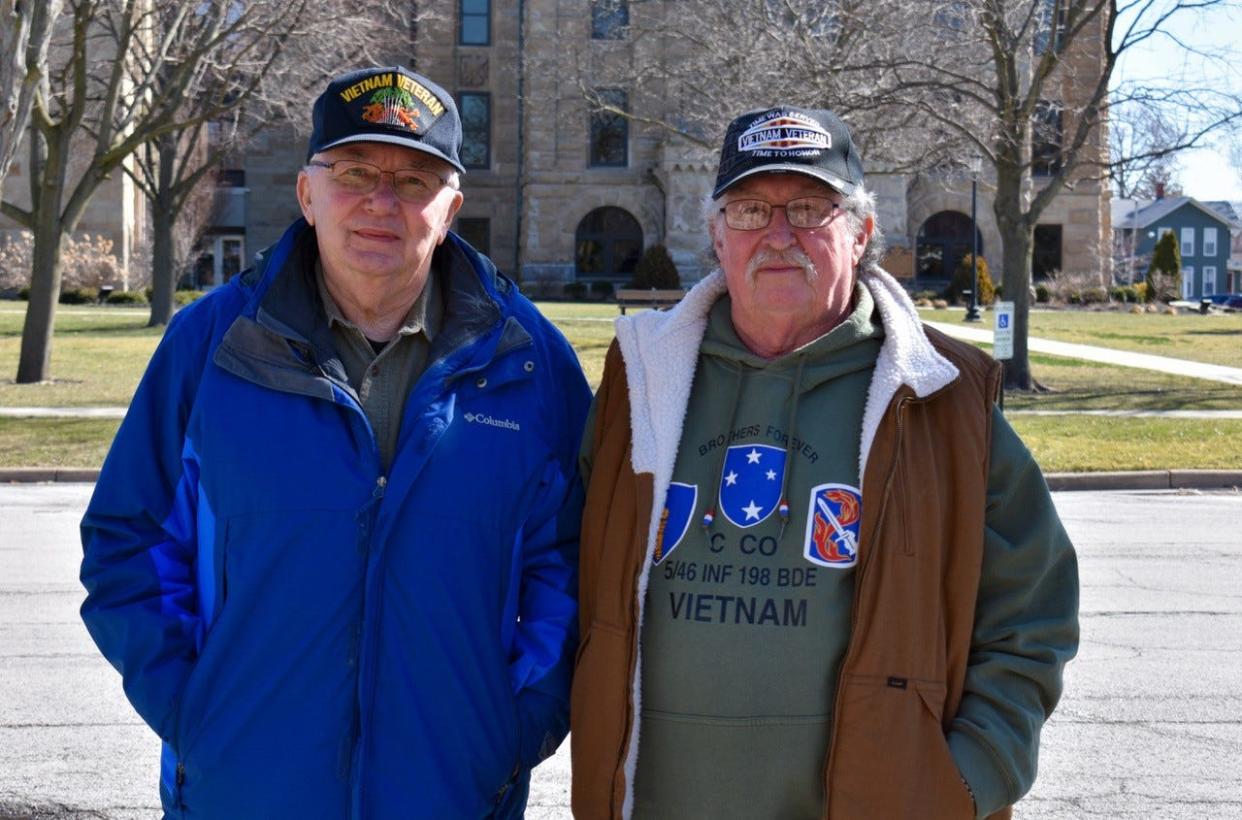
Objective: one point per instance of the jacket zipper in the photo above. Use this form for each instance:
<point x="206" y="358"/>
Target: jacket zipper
<point x="377" y="495"/>
<point x="858" y="586"/>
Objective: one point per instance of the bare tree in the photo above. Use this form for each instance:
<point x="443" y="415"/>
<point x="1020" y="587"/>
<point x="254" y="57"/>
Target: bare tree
<point x="120" y="74"/>
<point x="1142" y="146"/>
<point x="1022" y="84"/>
<point x="25" y="31"/>
<point x="273" y="61"/>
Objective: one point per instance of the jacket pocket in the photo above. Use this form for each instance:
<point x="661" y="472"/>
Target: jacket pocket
<point x="215" y="597"/>
<point x="891" y="731"/>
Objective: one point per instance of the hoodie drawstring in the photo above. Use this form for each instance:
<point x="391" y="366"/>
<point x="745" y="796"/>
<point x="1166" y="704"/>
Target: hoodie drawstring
<point x="710" y="515"/>
<point x="796" y="387"/>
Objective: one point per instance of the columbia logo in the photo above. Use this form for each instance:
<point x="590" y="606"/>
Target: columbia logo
<point x="483" y="418"/>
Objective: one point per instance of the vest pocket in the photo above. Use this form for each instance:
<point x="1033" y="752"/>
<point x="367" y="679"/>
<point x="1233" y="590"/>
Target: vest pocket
<point x="891" y="758"/>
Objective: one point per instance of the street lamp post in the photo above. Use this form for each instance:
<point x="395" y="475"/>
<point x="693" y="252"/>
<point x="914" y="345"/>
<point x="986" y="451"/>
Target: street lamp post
<point x="972" y="313"/>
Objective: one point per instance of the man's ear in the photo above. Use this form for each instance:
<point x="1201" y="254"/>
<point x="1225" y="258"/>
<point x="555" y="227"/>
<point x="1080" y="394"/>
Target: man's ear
<point x="863" y="237"/>
<point x="453" y="208"/>
<point x="304" y="197"/>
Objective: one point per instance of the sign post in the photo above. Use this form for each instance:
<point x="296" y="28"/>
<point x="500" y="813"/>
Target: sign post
<point x="1002" y="334"/>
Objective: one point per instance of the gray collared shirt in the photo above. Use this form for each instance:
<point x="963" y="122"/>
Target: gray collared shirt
<point x="383" y="380"/>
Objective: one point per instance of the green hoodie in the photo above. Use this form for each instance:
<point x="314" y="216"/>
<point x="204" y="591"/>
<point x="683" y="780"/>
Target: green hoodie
<point x="748" y="617"/>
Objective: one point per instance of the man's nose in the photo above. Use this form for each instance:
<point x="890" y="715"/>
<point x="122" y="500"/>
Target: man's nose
<point x="778" y="234"/>
<point x="384" y="197"/>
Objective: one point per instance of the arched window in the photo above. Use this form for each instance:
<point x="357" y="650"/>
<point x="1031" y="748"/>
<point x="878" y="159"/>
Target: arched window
<point x="607" y="244"/>
<point x="943" y="240"/>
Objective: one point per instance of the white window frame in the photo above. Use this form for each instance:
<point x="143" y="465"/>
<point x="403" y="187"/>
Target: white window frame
<point x="217" y="273"/>
<point x="1209" y="241"/>
<point x="1209" y="280"/>
<point x="1188" y="281"/>
<point x="1188" y="242"/>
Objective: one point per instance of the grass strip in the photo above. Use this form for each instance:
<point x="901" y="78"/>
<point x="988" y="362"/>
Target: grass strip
<point x="55" y="442"/>
<point x="1079" y="444"/>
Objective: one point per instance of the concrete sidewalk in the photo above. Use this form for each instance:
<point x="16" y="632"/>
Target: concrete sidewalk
<point x="63" y="412"/>
<point x="1106" y="355"/>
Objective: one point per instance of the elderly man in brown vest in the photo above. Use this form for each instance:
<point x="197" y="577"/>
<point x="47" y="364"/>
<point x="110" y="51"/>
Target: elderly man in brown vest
<point x="821" y="577"/>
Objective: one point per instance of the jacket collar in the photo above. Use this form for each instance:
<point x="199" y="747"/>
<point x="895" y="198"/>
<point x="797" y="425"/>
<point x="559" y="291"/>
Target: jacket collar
<point x="286" y="300"/>
<point x="661" y="350"/>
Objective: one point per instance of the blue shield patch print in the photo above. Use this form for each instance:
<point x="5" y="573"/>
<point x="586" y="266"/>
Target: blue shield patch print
<point x="679" y="505"/>
<point x="832" y="526"/>
<point x="750" y="483"/>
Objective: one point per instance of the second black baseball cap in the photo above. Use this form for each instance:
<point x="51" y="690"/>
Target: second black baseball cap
<point x="789" y="139"/>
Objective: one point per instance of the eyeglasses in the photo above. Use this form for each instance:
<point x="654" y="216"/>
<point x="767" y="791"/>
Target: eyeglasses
<point x="803" y="212"/>
<point x="409" y="184"/>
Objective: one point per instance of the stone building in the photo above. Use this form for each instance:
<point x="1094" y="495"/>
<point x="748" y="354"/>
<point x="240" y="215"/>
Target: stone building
<point x="556" y="194"/>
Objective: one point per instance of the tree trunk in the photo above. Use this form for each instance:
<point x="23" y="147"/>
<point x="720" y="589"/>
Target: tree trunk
<point x="46" y="269"/>
<point x="1017" y="238"/>
<point x="163" y="275"/>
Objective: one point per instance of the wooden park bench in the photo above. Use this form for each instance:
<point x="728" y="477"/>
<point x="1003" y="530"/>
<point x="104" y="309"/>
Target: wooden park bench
<point x="647" y="297"/>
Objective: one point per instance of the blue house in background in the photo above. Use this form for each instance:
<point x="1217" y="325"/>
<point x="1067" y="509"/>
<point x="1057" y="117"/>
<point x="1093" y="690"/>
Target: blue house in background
<point x="1203" y="234"/>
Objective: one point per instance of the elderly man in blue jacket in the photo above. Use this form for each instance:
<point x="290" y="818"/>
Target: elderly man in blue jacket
<point x="332" y="551"/>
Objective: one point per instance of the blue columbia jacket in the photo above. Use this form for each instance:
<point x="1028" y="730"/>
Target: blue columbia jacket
<point x="309" y="636"/>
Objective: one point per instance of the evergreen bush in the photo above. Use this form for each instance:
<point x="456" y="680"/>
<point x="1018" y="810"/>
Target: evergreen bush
<point x="964" y="280"/>
<point x="127" y="297"/>
<point x="79" y="296"/>
<point x="656" y="269"/>
<point x="1164" y="274"/>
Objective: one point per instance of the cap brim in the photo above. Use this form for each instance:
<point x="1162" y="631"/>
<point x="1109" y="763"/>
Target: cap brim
<point x="392" y="139"/>
<point x="831" y="180"/>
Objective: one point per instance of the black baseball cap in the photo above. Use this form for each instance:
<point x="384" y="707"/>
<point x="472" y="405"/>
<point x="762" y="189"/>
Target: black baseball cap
<point x="392" y="105"/>
<point x="789" y="139"/>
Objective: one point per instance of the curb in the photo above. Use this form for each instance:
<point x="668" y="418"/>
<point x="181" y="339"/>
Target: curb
<point x="44" y="475"/>
<point x="1146" y="480"/>
<point x="1057" y="482"/>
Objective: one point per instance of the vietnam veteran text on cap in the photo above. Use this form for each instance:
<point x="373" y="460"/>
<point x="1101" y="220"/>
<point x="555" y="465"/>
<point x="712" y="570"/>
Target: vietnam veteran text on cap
<point x="788" y="139"/>
<point x="392" y="105"/>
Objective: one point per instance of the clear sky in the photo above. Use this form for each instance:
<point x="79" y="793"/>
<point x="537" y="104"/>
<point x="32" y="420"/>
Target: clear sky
<point x="1206" y="173"/>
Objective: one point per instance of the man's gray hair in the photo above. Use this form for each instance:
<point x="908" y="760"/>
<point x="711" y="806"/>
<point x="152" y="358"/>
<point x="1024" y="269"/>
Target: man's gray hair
<point x="856" y="207"/>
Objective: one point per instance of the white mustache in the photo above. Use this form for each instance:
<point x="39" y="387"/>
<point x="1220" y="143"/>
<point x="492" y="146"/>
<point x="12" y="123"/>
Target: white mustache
<point x="789" y="256"/>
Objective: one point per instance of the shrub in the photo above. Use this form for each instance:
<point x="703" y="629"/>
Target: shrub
<point x="181" y="298"/>
<point x="1140" y="292"/>
<point x="575" y="290"/>
<point x="88" y="262"/>
<point x="1042" y="293"/>
<point x="601" y="290"/>
<point x="964" y="280"/>
<point x="1164" y="274"/>
<point x="127" y="297"/>
<point x="79" y="296"/>
<point x="926" y="295"/>
<point x="656" y="269"/>
<point x="1094" y="296"/>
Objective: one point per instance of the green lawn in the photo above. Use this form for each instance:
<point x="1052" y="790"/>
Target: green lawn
<point x="1215" y="338"/>
<point x="99" y="355"/>
<point x="55" y="442"/>
<point x="1087" y="444"/>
